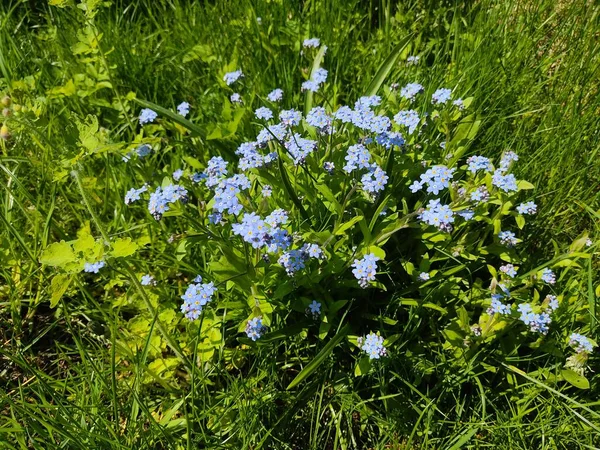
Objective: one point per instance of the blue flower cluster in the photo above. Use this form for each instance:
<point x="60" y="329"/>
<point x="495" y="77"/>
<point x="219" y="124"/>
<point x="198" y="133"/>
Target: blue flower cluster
<point x="358" y="157"/>
<point x="477" y="163"/>
<point x="134" y="194"/>
<point x="507" y="183"/>
<point x="299" y="148"/>
<point x="409" y="118"/>
<point x="412" y="60"/>
<point x="93" y="267"/>
<point x="552" y="302"/>
<point x="226" y="194"/>
<point x="480" y="195"/>
<point x="527" y="208"/>
<point x="389" y="139"/>
<point x="536" y="322"/>
<point x="235" y="98"/>
<point x="275" y="95"/>
<point x="437" y="178"/>
<point x="318" y="78"/>
<point x="438" y="215"/>
<point x="290" y="117"/>
<point x="263" y="113"/>
<point x="507" y="159"/>
<point x="509" y="270"/>
<point x="161" y="198"/>
<point x="255" y="328"/>
<point x="215" y="171"/>
<point x="497" y="307"/>
<point x="374" y="180"/>
<point x="195" y="298"/>
<point x="548" y="276"/>
<point x="365" y="269"/>
<point x="507" y="238"/>
<point x="372" y="345"/>
<point x="311" y="43"/>
<point x="411" y="90"/>
<point x="147" y="116"/>
<point x="441" y="96"/>
<point x="318" y="118"/>
<point x="232" y="77"/>
<point x="251" y="158"/>
<point x="177" y="174"/>
<point x="580" y="343"/>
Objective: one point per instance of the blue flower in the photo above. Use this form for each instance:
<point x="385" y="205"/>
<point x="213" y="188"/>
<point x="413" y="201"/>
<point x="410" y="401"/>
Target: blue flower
<point x="438" y="215"/>
<point x="357" y="157"/>
<point x="290" y="117"/>
<point x="369" y="102"/>
<point x="466" y="214"/>
<point x="161" y="199"/>
<point x="251" y="158"/>
<point x="315" y="307"/>
<point x="177" y="174"/>
<point x="147" y="116"/>
<point x="459" y="104"/>
<point x="311" y="43"/>
<point x="344" y="113"/>
<point x="276" y="218"/>
<point x="507" y="159"/>
<point x="195" y="298"/>
<point x="536" y="322"/>
<point x="232" y="77"/>
<point x="293" y="261"/>
<point x="143" y="150"/>
<point x="552" y="302"/>
<point x="267" y="190"/>
<point x="507" y="183"/>
<point x="441" y="96"/>
<point x="480" y="195"/>
<point x="266" y="134"/>
<point x="389" y="139"/>
<point x="372" y="345"/>
<point x="329" y="167"/>
<point x="412" y="60"/>
<point x="318" y="118"/>
<point x="263" y="113"/>
<point x="580" y="343"/>
<point x="215" y="171"/>
<point x="509" y="270"/>
<point x="134" y="194"/>
<point x="424" y="276"/>
<point x="409" y="119"/>
<point x="235" y="98"/>
<point x="507" y="238"/>
<point x="374" y="180"/>
<point x="436" y="178"/>
<point x="479" y="163"/>
<point x="183" y="108"/>
<point x="252" y="229"/>
<point x="226" y="194"/>
<point x="255" y="328"/>
<point x="93" y="267"/>
<point x="410" y="91"/>
<point x="527" y="208"/>
<point x="365" y="269"/>
<point x="147" y="280"/>
<point x="299" y="148"/>
<point x="548" y="276"/>
<point x="313" y="251"/>
<point x="310" y="85"/>
<point x="497" y="307"/>
<point x="275" y="95"/>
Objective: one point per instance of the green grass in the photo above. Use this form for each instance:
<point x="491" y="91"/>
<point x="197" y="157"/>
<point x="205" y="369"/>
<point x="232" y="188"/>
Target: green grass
<point x="68" y="378"/>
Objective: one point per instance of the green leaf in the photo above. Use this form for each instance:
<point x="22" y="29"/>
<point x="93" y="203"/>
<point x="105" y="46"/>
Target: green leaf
<point x="520" y="221"/>
<point x="123" y="247"/>
<point x="290" y="190"/>
<point x="318" y="360"/>
<point x="522" y="185"/>
<point x="58" y="254"/>
<point x="387" y="66"/>
<point x="345" y="226"/>
<point x="572" y="377"/>
<point x="363" y="366"/>
<point x="200" y="51"/>
<point x="58" y="286"/>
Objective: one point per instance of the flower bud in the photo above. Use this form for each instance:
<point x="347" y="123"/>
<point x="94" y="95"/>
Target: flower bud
<point x="6" y="101"/>
<point x="4" y="133"/>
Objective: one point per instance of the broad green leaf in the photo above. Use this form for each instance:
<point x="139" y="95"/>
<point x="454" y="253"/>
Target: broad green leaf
<point x="58" y="254"/>
<point x="345" y="226"/>
<point x="572" y="377"/>
<point x="321" y="356"/>
<point x="200" y="51"/>
<point x="520" y="221"/>
<point x="58" y="287"/>
<point x="523" y="185"/>
<point x="123" y="247"/>
<point x="363" y="366"/>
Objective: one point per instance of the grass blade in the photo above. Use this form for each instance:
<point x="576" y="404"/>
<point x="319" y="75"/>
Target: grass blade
<point x="387" y="66"/>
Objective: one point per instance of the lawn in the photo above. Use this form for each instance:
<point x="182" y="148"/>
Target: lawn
<point x="397" y="250"/>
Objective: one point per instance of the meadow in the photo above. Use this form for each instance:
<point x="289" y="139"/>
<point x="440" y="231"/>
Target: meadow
<point x="299" y="224"/>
